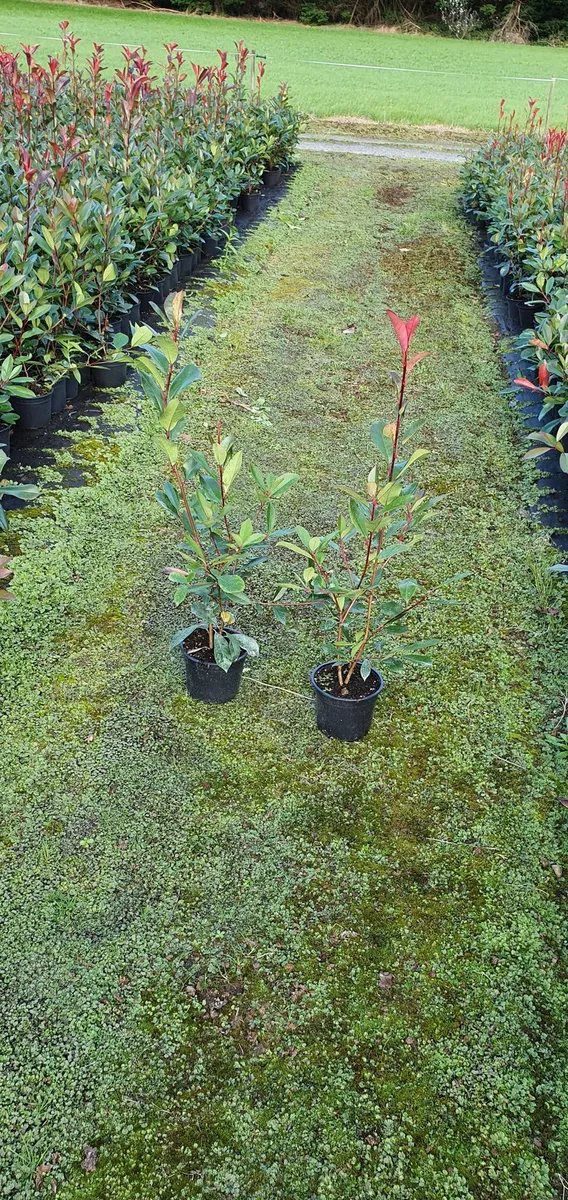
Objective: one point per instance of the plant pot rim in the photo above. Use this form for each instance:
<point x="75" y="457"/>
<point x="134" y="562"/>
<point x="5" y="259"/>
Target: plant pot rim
<point x="344" y="699"/>
<point x="36" y="398"/>
<point x="203" y="662"/>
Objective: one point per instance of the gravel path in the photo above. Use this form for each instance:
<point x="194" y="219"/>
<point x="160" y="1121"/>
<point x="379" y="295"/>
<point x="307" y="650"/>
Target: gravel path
<point x="341" y="145"/>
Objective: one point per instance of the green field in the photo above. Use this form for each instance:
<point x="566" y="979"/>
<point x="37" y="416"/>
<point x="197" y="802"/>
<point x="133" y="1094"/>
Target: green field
<point x="473" y="75"/>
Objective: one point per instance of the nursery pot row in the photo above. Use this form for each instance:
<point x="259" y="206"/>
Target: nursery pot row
<point x="35" y="412"/>
<point x="520" y="313"/>
<point x="345" y="718"/>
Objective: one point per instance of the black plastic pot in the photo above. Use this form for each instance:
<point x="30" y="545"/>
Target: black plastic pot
<point x="174" y="274"/>
<point x="109" y="375"/>
<point x="148" y="296"/>
<point x="58" y="396"/>
<point x="209" y="246"/>
<point x="206" y="681"/>
<point x="338" y="716"/>
<point x="197" y="256"/>
<point x="272" y="178"/>
<point x="71" y="386"/>
<point x="521" y="316"/>
<point x="250" y="202"/>
<point x="34" y="411"/>
<point x="185" y="265"/>
<point x="85" y="376"/>
<point x="5" y="436"/>
<point x="166" y="286"/>
<point x="131" y="318"/>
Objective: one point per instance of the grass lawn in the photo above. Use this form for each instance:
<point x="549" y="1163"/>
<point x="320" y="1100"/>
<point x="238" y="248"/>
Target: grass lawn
<point x="467" y="93"/>
<point x="241" y="960"/>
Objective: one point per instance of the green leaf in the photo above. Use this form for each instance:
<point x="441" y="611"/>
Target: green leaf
<point x="295" y="549"/>
<point x="109" y="273"/>
<point x="390" y="551"/>
<point x="381" y="441"/>
<point x="23" y="491"/>
<point x="407" y="589"/>
<point x="365" y="668"/>
<point x="282" y="484"/>
<point x="248" y="644"/>
<point x="231" y="585"/>
<point x="536" y="452"/>
<point x="171" y="415"/>
<point x="359" y="520"/>
<point x="183" y="379"/>
<point x="224" y="653"/>
<point x="232" y="469"/>
<point x="141" y="335"/>
<point x="168" y="347"/>
<point x="280" y="613"/>
<point x="181" y="635"/>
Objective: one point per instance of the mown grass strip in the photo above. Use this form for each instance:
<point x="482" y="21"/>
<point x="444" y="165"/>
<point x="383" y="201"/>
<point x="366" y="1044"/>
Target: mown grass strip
<point x="241" y="960"/>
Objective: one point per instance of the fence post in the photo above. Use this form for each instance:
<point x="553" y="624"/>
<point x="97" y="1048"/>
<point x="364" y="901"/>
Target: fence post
<point x="252" y="72"/>
<point x="549" y="105"/>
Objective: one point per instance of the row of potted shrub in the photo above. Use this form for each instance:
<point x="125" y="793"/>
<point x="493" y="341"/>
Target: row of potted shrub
<point x="516" y="189"/>
<point x="347" y="577"/>
<point x="113" y="184"/>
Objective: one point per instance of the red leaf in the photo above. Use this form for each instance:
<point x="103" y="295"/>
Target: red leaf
<point x="411" y="327"/>
<point x="526" y="383"/>
<point x="416" y="359"/>
<point x="543" y="375"/>
<point x="400" y="329"/>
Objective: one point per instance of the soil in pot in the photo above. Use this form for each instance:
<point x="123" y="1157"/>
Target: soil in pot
<point x="58" y="396"/>
<point x="344" y="717"/>
<point x="34" y="411"/>
<point x="204" y="679"/>
<point x="108" y="375"/>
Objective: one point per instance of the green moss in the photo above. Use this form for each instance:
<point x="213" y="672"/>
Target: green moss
<point x="246" y="961"/>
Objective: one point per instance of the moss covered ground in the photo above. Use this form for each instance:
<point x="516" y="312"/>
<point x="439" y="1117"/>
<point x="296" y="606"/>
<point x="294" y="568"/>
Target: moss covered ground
<point x="239" y="960"/>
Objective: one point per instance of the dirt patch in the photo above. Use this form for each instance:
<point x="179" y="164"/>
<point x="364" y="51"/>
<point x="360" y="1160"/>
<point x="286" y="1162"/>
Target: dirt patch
<point x="393" y="195"/>
<point x="423" y="256"/>
<point x="395" y="130"/>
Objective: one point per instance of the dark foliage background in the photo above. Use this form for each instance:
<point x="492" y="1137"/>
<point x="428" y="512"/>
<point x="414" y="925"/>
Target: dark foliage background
<point x="549" y="17"/>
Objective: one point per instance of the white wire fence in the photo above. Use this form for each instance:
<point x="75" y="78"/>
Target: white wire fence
<point x="550" y="81"/>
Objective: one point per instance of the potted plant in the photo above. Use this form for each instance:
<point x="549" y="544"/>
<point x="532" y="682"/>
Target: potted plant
<point x="10" y="387"/>
<point x="19" y="399"/>
<point x="108" y="365"/>
<point x="218" y="552"/>
<point x="20" y="491"/>
<point x="362" y="609"/>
